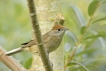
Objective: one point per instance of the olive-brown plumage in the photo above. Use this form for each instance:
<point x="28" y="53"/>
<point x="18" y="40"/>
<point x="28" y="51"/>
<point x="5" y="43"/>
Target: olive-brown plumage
<point x="52" y="40"/>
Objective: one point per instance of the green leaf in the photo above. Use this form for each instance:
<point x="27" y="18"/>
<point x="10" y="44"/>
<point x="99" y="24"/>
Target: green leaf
<point x="86" y="51"/>
<point x="75" y="62"/>
<point x="71" y="35"/>
<point x="92" y="7"/>
<point x="89" y="42"/>
<point x="104" y="2"/>
<point x="100" y="19"/>
<point x="78" y="14"/>
<point x="96" y="36"/>
<point x="28" y="63"/>
<point x="83" y="29"/>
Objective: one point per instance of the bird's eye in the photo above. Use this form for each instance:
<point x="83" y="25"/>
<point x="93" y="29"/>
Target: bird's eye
<point x="58" y="29"/>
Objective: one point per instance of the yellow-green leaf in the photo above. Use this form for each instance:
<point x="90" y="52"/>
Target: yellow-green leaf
<point x="92" y="7"/>
<point x="83" y="29"/>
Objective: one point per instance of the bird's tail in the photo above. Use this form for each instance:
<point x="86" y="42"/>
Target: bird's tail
<point x="14" y="51"/>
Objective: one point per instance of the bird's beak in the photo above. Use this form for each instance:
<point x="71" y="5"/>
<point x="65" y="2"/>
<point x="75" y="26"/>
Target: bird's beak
<point x="66" y="29"/>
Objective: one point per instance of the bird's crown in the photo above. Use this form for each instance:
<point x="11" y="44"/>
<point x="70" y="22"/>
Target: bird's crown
<point x="57" y="26"/>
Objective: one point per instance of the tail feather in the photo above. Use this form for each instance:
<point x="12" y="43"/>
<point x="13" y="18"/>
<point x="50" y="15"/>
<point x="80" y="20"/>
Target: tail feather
<point x="14" y="51"/>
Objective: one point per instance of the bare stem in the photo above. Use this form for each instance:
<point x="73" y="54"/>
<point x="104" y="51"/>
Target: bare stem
<point x="38" y="37"/>
<point x="10" y="61"/>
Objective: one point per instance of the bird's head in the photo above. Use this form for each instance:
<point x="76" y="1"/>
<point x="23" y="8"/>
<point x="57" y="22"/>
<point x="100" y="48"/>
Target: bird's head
<point x="58" y="30"/>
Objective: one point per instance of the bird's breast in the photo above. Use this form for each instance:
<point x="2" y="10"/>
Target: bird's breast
<point x="53" y="43"/>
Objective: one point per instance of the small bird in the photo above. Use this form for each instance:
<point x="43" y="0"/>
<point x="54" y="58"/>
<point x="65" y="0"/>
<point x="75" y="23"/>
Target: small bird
<point x="52" y="40"/>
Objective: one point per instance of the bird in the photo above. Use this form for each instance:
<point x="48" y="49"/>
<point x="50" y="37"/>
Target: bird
<point x="51" y="39"/>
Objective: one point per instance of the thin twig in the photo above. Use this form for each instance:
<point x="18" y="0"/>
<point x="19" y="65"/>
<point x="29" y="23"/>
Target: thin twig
<point x="38" y="37"/>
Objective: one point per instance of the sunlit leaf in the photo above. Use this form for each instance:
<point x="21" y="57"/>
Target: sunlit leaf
<point x="92" y="7"/>
<point x="99" y="36"/>
<point x="78" y="14"/>
<point x="86" y="51"/>
<point x="83" y="29"/>
<point x="70" y="34"/>
<point x="75" y="62"/>
<point x="102" y="42"/>
<point x="100" y="19"/>
<point x="104" y="2"/>
<point x="89" y="42"/>
<point x="67" y="47"/>
<point x="96" y="36"/>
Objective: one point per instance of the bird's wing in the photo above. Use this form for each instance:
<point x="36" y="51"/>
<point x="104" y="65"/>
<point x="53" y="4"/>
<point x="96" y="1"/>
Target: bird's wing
<point x="32" y="42"/>
<point x="29" y="44"/>
<point x="26" y="42"/>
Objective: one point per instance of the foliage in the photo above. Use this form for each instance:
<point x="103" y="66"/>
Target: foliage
<point x="85" y="44"/>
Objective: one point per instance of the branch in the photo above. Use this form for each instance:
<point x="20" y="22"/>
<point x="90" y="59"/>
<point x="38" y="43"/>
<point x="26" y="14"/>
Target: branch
<point x="38" y="37"/>
<point x="10" y="61"/>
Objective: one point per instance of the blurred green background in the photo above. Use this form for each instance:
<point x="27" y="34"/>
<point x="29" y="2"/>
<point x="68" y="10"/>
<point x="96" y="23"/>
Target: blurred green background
<point x="91" y="53"/>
